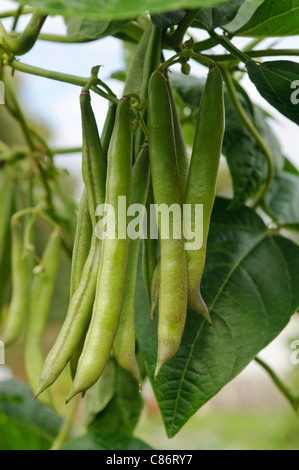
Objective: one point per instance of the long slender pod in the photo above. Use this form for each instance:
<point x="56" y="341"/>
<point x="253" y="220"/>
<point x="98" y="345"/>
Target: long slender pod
<point x="82" y="243"/>
<point x="114" y="258"/>
<point x="20" y="299"/>
<point x="80" y="307"/>
<point x="40" y="303"/>
<point x="183" y="160"/>
<point x="134" y="77"/>
<point x="108" y="127"/>
<point x="183" y="163"/>
<point x="151" y="248"/>
<point x="82" y="220"/>
<point x="124" y="343"/>
<point x="201" y="188"/>
<point x="166" y="186"/>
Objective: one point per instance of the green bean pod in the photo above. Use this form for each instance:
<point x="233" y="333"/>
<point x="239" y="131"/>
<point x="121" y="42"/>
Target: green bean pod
<point x="155" y="290"/>
<point x="81" y="303"/>
<point x="83" y="220"/>
<point x="82" y="243"/>
<point x="150" y="252"/>
<point x="114" y="260"/>
<point x="7" y="202"/>
<point x="201" y="188"/>
<point x="20" y="299"/>
<point x="108" y="127"/>
<point x="124" y="343"/>
<point x="183" y="160"/>
<point x="41" y="298"/>
<point x="166" y="186"/>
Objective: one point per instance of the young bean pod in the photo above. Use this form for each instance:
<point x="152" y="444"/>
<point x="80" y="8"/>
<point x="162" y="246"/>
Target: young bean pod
<point x="40" y="303"/>
<point x="166" y="186"/>
<point x="82" y="243"/>
<point x="124" y="343"/>
<point x="114" y="260"/>
<point x="20" y="299"/>
<point x="201" y="188"/>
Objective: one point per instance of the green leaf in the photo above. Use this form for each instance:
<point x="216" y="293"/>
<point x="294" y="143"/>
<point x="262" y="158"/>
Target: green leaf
<point x="221" y="15"/>
<point x="282" y="200"/>
<point x="100" y="395"/>
<point x="168" y="19"/>
<point x="25" y="424"/>
<point x="118" y="9"/>
<point x="88" y="29"/>
<point x="275" y="81"/>
<point x="273" y="18"/>
<point x="244" y="14"/>
<point x="100" y="441"/>
<point x="250" y="284"/>
<point x="122" y="413"/>
<point x="290" y="168"/>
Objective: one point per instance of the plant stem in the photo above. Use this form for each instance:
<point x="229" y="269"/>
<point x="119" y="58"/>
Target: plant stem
<point x="66" y="151"/>
<point x="59" y="38"/>
<point x="227" y="44"/>
<point x="205" y="45"/>
<point x="26" y="40"/>
<point x="67" y="426"/>
<point x="253" y="131"/>
<point x="60" y="77"/>
<point x="294" y="401"/>
<point x="12" y="13"/>
<point x="255" y="54"/>
<point x="178" y="36"/>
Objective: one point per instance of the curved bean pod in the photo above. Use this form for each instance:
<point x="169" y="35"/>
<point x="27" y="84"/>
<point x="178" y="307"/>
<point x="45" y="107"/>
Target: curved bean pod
<point x="166" y="186"/>
<point x="201" y="188"/>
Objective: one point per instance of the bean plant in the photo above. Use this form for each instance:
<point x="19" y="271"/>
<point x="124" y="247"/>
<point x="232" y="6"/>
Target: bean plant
<point x="185" y="307"/>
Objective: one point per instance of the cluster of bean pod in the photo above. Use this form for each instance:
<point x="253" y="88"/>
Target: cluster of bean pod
<point x="100" y="317"/>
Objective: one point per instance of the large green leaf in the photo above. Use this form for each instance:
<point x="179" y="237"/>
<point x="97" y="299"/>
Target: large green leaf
<point x="274" y="80"/>
<point x="100" y="441"/>
<point x="282" y="200"/>
<point x="244" y="14"/>
<point x="118" y="9"/>
<point x="88" y="29"/>
<point x="221" y="15"/>
<point x="25" y="424"/>
<point x="122" y="413"/>
<point x="250" y="286"/>
<point x="272" y="19"/>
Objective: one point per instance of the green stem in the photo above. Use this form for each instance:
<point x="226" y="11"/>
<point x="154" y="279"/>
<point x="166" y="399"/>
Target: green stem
<point x="255" y="54"/>
<point x="66" y="151"/>
<point x="58" y="38"/>
<point x="204" y="45"/>
<point x="23" y="43"/>
<point x="178" y="36"/>
<point x="227" y="44"/>
<point x="12" y="13"/>
<point x="60" y="77"/>
<point x="68" y="424"/>
<point x="17" y="15"/>
<point x="294" y="401"/>
<point x="253" y="131"/>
